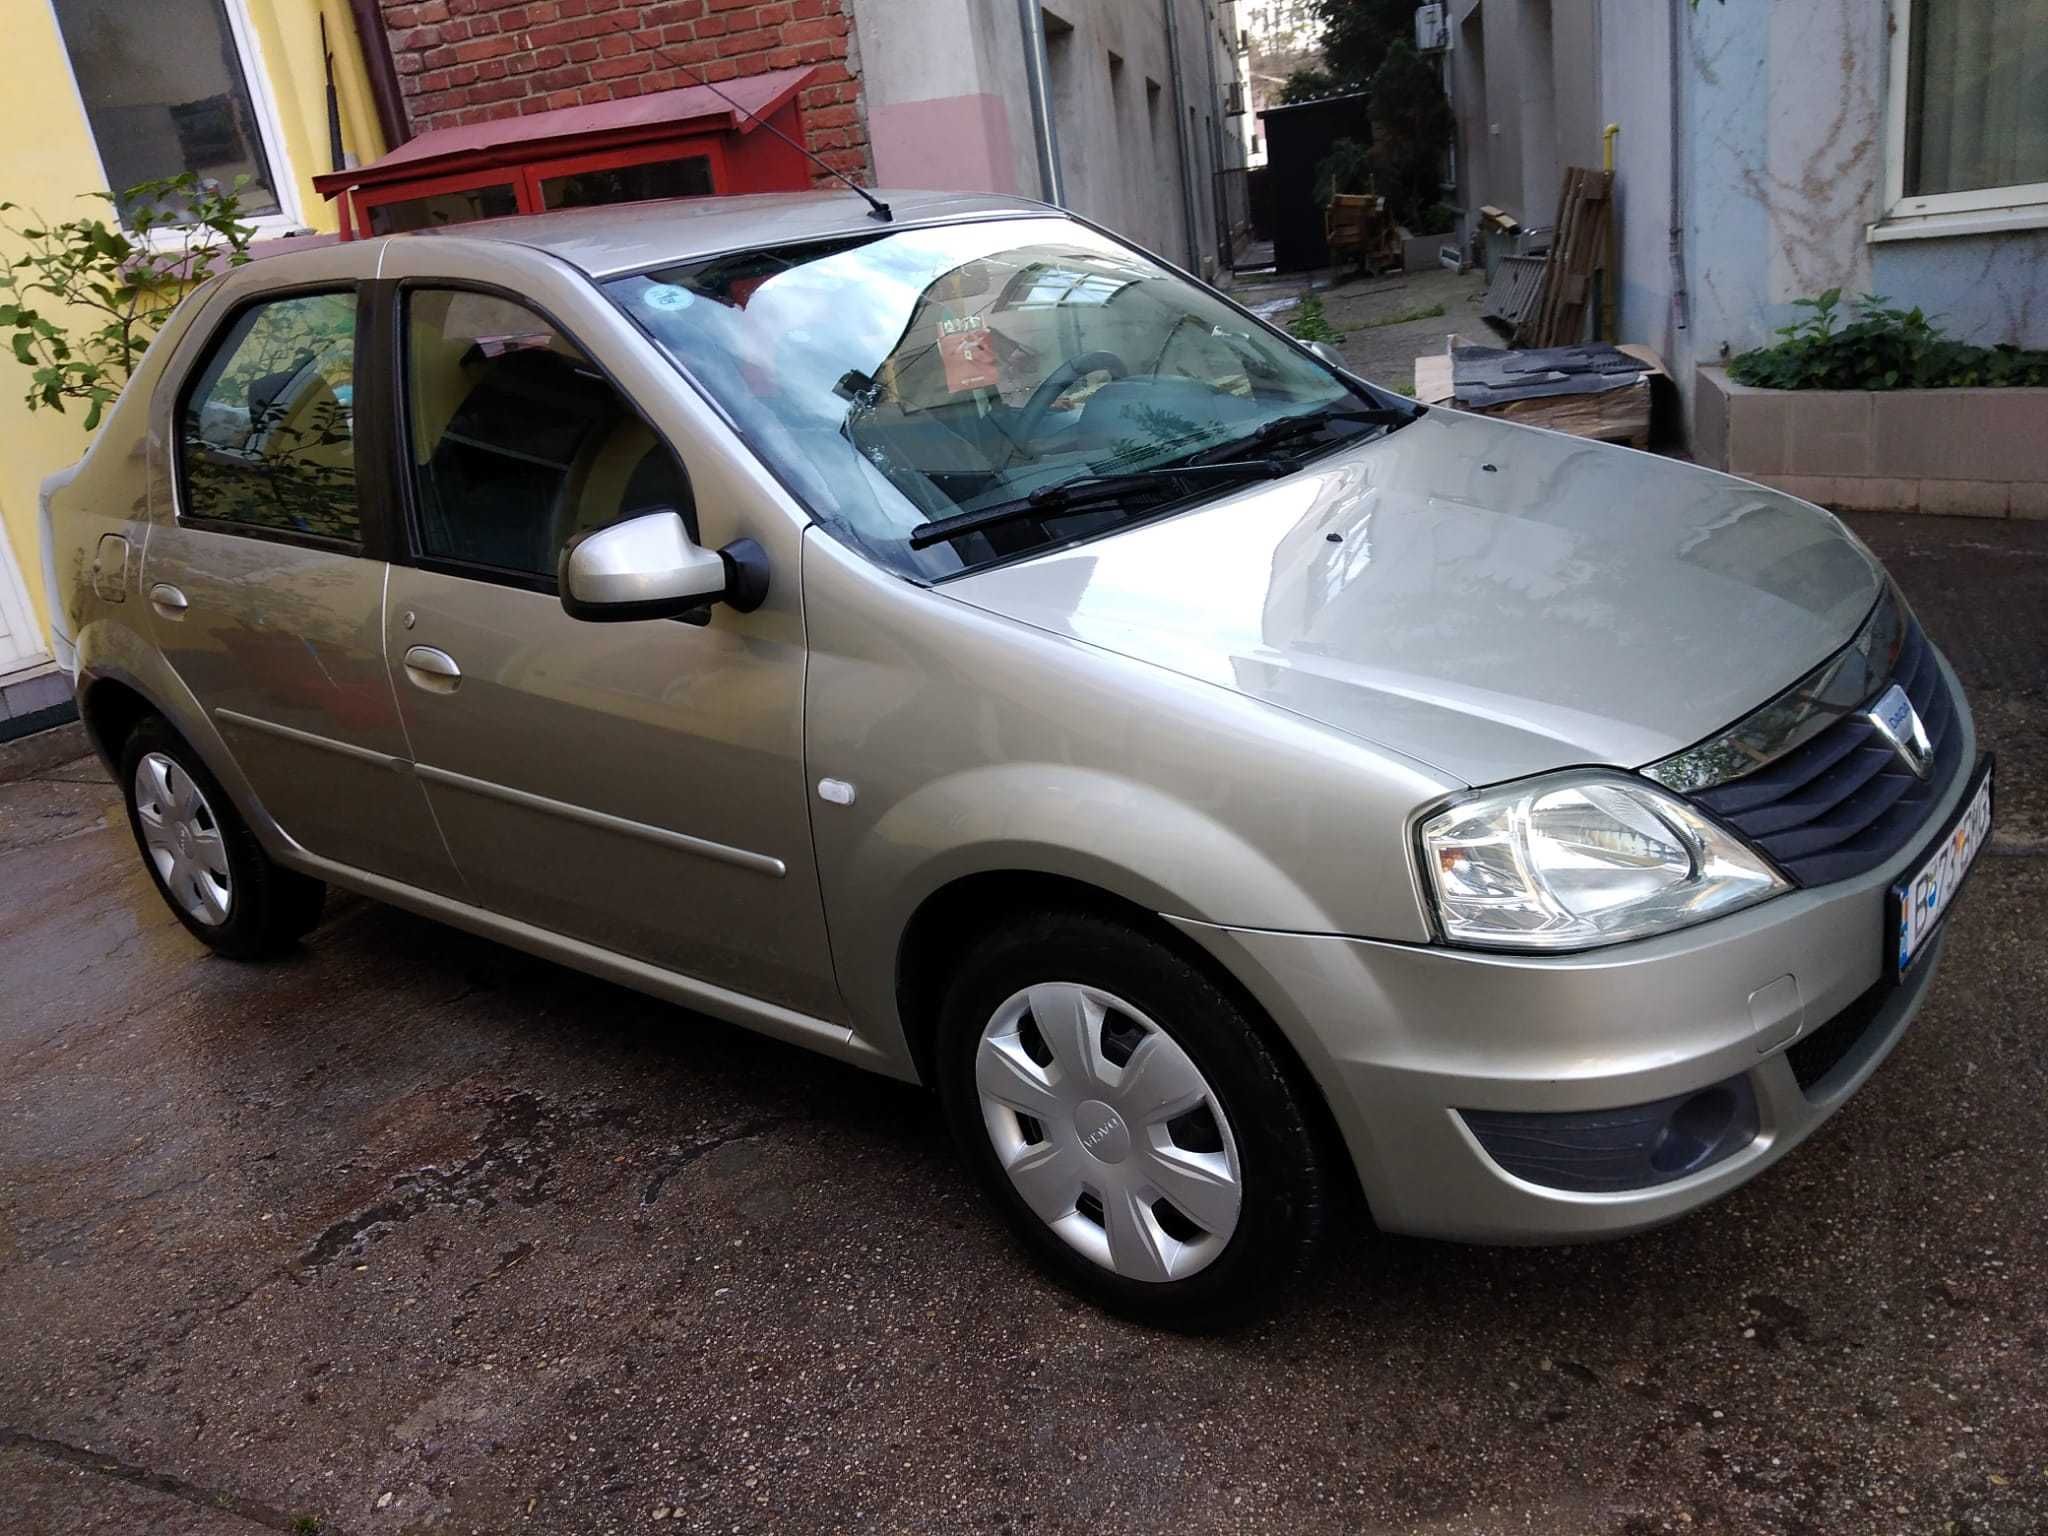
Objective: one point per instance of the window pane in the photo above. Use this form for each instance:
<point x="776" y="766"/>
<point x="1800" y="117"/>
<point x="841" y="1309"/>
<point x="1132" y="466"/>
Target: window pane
<point x="165" y="93"/>
<point x="629" y="183"/>
<point x="444" y="208"/>
<point x="268" y="438"/>
<point x="1977" y="104"/>
<point x="518" y="442"/>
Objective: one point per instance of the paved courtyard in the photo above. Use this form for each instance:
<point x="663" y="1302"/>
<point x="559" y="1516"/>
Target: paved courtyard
<point x="411" y="1233"/>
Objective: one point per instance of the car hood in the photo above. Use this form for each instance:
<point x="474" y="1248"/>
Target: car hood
<point x="1487" y="599"/>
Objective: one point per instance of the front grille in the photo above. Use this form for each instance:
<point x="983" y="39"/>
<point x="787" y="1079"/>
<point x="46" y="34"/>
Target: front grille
<point x="1842" y="802"/>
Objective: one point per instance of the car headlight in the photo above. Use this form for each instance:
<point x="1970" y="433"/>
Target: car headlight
<point x="1573" y="860"/>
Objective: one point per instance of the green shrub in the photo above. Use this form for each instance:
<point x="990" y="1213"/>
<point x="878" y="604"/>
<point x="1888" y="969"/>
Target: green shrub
<point x="1311" y="324"/>
<point x="1879" y="347"/>
<point x="1346" y="168"/>
<point x="111" y="288"/>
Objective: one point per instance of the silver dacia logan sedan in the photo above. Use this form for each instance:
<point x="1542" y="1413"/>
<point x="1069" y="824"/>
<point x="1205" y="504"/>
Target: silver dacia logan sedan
<point x="971" y="648"/>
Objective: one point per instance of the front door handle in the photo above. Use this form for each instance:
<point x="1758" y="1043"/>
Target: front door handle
<point x="432" y="669"/>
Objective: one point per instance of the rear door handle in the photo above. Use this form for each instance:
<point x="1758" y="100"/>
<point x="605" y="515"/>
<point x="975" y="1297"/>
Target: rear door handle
<point x="433" y="670"/>
<point x="168" y="600"/>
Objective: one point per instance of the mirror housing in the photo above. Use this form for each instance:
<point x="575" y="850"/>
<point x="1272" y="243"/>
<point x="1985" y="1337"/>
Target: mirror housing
<point x="648" y="567"/>
<point x="1330" y="355"/>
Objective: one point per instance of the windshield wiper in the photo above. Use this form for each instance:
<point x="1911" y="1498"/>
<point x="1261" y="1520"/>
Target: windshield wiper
<point x="1301" y="424"/>
<point x="1085" y="491"/>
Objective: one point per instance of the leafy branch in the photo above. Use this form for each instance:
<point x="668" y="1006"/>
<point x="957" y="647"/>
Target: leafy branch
<point x="81" y="303"/>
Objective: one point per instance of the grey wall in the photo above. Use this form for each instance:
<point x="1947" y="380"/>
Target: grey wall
<point x="944" y="88"/>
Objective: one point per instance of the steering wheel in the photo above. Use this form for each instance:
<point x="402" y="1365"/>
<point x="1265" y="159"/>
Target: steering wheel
<point x="1031" y="416"/>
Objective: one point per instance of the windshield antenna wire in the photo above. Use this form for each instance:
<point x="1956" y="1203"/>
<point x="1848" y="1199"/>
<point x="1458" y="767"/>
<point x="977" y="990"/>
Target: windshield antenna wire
<point x="877" y="208"/>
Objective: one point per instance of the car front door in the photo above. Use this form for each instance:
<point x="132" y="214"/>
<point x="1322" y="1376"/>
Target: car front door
<point x="638" y="786"/>
<point x="264" y="581"/>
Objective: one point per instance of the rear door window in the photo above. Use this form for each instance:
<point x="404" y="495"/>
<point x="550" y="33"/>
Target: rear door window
<point x="267" y="430"/>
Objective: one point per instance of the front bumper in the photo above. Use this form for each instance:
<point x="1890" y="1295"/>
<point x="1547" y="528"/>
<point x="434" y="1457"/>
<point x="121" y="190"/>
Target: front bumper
<point x="1405" y="1037"/>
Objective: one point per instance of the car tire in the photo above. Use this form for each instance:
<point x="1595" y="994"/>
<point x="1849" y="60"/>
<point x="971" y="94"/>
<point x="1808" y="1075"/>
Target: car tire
<point x="1115" y="1172"/>
<point x="206" y="863"/>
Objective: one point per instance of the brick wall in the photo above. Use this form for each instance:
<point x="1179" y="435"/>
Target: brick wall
<point x="474" y="61"/>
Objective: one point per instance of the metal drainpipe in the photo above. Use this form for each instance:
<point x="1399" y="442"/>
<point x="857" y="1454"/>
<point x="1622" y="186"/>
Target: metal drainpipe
<point x="1045" y="135"/>
<point x="385" y="94"/>
<point x="1181" y="134"/>
<point x="1679" y="298"/>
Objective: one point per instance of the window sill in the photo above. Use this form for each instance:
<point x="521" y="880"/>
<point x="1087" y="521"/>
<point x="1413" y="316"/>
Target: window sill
<point x="1937" y="226"/>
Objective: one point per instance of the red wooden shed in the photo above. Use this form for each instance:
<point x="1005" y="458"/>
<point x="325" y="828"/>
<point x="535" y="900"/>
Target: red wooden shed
<point x="681" y="143"/>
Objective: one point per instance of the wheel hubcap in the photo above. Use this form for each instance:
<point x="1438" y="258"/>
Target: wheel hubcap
<point x="183" y="839"/>
<point x="1109" y="1131"/>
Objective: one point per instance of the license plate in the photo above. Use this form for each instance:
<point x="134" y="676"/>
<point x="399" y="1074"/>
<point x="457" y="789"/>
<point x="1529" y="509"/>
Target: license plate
<point x="1921" y="900"/>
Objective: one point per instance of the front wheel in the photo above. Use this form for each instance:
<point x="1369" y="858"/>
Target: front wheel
<point x="1130" y="1120"/>
<point x="205" y="861"/>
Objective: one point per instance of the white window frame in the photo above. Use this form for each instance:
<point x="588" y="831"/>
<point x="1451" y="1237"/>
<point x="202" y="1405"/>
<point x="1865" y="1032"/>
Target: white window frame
<point x="1980" y="211"/>
<point x="290" y="217"/>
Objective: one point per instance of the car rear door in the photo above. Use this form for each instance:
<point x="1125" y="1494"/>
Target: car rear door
<point x="638" y="786"/>
<point x="265" y="576"/>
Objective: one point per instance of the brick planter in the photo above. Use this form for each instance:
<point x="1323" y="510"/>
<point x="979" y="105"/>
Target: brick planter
<point x="1973" y="452"/>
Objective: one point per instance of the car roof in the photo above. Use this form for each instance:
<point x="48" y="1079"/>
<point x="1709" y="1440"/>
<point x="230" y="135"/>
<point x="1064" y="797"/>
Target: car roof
<point x="630" y="237"/>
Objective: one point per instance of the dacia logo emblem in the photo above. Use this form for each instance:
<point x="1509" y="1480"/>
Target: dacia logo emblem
<point x="1898" y="722"/>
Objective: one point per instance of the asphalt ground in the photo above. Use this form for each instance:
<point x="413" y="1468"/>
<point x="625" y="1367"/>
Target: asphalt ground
<point x="410" y="1232"/>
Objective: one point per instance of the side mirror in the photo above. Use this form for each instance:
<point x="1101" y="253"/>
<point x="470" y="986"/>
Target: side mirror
<point x="648" y="567"/>
<point x="1330" y="355"/>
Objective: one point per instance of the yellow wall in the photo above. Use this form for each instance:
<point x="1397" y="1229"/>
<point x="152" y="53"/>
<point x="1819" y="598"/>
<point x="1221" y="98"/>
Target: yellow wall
<point x="47" y="160"/>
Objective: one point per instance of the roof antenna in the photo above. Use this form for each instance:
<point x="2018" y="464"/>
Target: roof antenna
<point x="877" y="208"/>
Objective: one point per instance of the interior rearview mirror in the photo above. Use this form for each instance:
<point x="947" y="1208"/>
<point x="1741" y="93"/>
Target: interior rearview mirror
<point x="648" y="567"/>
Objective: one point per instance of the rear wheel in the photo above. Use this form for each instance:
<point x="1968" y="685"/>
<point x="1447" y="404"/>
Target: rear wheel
<point x="1130" y="1120"/>
<point x="205" y="861"/>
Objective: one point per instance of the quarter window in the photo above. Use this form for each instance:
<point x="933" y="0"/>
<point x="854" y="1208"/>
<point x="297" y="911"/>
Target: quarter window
<point x="267" y="433"/>
<point x="517" y="441"/>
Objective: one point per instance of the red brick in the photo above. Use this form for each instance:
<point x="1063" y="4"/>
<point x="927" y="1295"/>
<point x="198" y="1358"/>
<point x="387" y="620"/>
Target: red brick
<point x="486" y="48"/>
<point x="594" y="93"/>
<point x="559" y="99"/>
<point x="496" y="90"/>
<point x="409" y="63"/>
<point x="582" y="53"/>
<point x="492" y="69"/>
<point x="615" y="69"/>
<point x="568" y="77"/>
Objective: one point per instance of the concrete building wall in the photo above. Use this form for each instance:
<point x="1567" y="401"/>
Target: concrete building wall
<point x="1634" y="92"/>
<point x="947" y="103"/>
<point x="1781" y="122"/>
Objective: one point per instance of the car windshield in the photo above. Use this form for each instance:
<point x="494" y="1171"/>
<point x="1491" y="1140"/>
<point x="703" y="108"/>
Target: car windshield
<point x="897" y="379"/>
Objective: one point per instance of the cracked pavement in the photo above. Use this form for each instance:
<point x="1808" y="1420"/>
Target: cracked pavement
<point x="412" y="1233"/>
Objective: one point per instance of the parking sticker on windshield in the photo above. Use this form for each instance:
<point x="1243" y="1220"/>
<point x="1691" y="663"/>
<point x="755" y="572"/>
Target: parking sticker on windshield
<point x="667" y="296"/>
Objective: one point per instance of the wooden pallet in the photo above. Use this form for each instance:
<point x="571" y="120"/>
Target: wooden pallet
<point x="1585" y="209"/>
